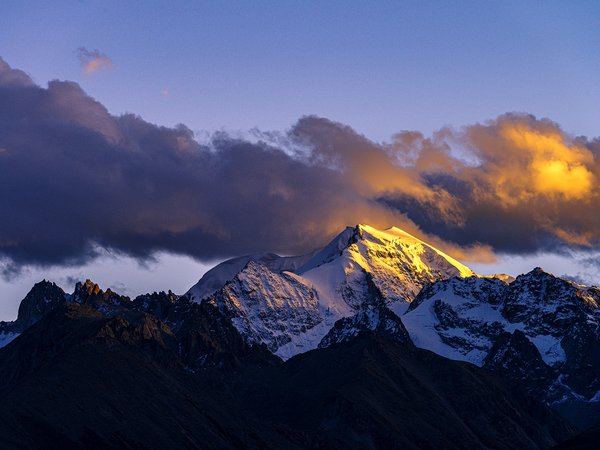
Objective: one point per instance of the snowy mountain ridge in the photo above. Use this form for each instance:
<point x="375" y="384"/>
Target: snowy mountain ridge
<point x="460" y="318"/>
<point x="291" y="303"/>
<point x="541" y="330"/>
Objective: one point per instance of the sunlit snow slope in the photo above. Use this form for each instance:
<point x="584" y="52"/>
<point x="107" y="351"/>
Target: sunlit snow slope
<point x="291" y="309"/>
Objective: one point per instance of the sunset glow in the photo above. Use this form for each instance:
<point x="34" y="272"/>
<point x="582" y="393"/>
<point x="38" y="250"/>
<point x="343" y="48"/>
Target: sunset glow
<point x="556" y="168"/>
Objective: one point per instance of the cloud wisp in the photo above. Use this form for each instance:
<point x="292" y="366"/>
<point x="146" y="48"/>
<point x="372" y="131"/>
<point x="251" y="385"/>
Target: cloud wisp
<point x="92" y="60"/>
<point x="75" y="178"/>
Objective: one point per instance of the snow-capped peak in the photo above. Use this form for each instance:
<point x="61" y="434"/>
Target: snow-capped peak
<point x="362" y="266"/>
<point x="398" y="265"/>
<point x="420" y="254"/>
<point x="394" y="236"/>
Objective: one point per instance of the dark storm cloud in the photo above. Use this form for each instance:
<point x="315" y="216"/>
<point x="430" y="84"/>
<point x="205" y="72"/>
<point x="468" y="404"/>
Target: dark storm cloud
<point x="73" y="178"/>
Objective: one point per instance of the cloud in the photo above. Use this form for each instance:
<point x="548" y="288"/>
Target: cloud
<point x="589" y="269"/>
<point x="76" y="179"/>
<point x="591" y="262"/>
<point x="92" y="60"/>
<point x="13" y="77"/>
<point x="578" y="278"/>
<point x="533" y="187"/>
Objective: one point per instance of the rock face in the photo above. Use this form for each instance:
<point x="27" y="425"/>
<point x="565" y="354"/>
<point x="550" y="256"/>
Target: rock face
<point x="46" y="296"/>
<point x="371" y="320"/>
<point x="89" y="293"/>
<point x="540" y="331"/>
<point x="457" y="318"/>
<point x="41" y="299"/>
<point x="267" y="307"/>
<point x="515" y="357"/>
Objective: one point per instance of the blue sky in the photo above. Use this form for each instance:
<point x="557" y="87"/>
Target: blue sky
<point x="380" y="67"/>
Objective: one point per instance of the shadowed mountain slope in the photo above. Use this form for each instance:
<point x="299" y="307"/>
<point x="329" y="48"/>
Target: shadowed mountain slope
<point x="80" y="378"/>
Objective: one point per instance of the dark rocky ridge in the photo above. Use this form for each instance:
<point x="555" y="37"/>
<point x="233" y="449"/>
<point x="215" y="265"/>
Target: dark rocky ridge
<point x="517" y="359"/>
<point x="41" y="299"/>
<point x="370" y="320"/>
<point x="204" y="336"/>
<point x="84" y="378"/>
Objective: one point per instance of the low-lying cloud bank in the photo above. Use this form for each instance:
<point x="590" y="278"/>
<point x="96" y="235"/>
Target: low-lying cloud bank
<point x="73" y="177"/>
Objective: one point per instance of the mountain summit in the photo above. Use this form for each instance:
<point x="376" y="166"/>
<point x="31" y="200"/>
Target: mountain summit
<point x="291" y="303"/>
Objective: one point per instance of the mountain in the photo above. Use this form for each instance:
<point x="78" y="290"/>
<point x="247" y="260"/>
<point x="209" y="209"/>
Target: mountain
<point x="540" y="331"/>
<point x="218" y="276"/>
<point x="46" y="296"/>
<point x="277" y="309"/>
<point x="290" y="304"/>
<point x="370" y="321"/>
<point x="537" y="330"/>
<point x="399" y="264"/>
<point x="372" y="392"/>
<point x="203" y="335"/>
<point x="86" y="377"/>
<point x="79" y="379"/>
<point x="42" y="298"/>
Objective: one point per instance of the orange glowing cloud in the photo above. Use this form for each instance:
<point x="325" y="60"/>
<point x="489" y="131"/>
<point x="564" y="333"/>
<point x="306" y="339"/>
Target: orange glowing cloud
<point x="555" y="168"/>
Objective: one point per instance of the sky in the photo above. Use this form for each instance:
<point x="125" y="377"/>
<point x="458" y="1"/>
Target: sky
<point x="181" y="133"/>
